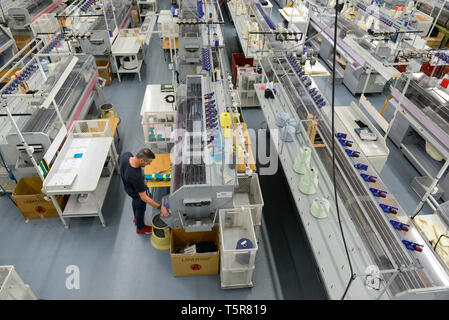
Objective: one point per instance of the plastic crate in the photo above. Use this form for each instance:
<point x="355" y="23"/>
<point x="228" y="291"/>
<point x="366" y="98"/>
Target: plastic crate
<point x="247" y="77"/>
<point x="236" y="278"/>
<point x="421" y="184"/>
<point x="257" y="232"/>
<point x="12" y="287"/>
<point x="167" y="24"/>
<point x="47" y="24"/>
<point x="236" y="225"/>
<point x="248" y="195"/>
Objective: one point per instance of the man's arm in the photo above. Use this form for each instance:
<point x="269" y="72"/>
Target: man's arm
<point x="147" y="199"/>
<point x="151" y="202"/>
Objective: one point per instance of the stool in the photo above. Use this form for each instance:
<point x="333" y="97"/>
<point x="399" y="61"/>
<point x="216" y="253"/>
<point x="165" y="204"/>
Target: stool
<point x="160" y="237"/>
<point x="108" y="111"/>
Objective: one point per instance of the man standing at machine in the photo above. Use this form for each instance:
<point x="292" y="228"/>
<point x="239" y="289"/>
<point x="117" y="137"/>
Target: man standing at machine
<point x="134" y="183"/>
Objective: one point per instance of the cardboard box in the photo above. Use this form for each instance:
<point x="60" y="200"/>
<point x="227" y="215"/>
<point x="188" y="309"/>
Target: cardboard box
<point x="22" y="41"/>
<point x="30" y="200"/>
<point x="194" y="264"/>
<point x="104" y="70"/>
<point x="434" y="42"/>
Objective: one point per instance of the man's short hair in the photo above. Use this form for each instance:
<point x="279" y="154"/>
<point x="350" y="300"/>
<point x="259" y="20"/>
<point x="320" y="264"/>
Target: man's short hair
<point x="145" y="154"/>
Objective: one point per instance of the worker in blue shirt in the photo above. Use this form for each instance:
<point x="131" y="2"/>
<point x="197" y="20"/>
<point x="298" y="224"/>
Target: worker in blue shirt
<point x="134" y="183"/>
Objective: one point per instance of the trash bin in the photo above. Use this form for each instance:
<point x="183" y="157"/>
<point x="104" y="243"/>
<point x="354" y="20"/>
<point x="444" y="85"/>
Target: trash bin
<point x="31" y="201"/>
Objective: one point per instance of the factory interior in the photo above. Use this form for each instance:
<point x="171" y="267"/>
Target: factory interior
<point x="278" y="149"/>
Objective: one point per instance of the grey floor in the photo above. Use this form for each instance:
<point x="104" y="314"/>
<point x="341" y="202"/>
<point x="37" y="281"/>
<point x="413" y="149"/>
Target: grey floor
<point x="116" y="263"/>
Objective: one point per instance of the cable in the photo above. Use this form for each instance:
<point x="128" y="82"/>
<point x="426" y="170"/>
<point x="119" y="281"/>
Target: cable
<point x="169" y="98"/>
<point x="333" y="150"/>
<point x="443" y="235"/>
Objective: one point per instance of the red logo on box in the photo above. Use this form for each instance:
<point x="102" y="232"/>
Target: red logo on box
<point x="195" y="267"/>
<point x="40" y="209"/>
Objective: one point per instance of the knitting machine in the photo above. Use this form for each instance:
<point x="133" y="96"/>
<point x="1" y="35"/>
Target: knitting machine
<point x="91" y="26"/>
<point x="369" y="43"/>
<point x="204" y="173"/>
<point x="45" y="97"/>
<point x="199" y="34"/>
<point x="19" y="14"/>
<point x="7" y="46"/>
<point x="204" y="158"/>
<point x="420" y="131"/>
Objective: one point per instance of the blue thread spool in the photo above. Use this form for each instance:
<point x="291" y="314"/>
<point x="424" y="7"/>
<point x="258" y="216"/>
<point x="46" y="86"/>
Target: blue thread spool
<point x="243" y="244"/>
<point x="388" y="209"/>
<point x="378" y="193"/>
<point x="361" y="166"/>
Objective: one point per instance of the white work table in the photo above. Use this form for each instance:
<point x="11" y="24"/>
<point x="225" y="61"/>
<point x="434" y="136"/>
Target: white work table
<point x="154" y="100"/>
<point x="375" y="151"/>
<point x="127" y="45"/>
<point x="87" y="169"/>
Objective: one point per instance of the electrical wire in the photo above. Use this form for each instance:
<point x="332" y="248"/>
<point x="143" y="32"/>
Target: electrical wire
<point x="436" y="244"/>
<point x="333" y="150"/>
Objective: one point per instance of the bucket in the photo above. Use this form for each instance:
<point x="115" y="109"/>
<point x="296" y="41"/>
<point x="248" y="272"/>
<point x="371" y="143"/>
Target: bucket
<point x="160" y="237"/>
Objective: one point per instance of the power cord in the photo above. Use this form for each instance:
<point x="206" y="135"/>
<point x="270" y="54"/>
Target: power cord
<point x="333" y="151"/>
<point x="169" y="98"/>
<point x="436" y="244"/>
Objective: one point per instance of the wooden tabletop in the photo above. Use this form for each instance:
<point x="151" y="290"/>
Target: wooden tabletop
<point x="166" y="44"/>
<point x="113" y="123"/>
<point x="161" y="162"/>
<point x="241" y="166"/>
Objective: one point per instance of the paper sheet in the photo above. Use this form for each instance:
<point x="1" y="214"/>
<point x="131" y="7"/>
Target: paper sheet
<point x="80" y="143"/>
<point x="70" y="164"/>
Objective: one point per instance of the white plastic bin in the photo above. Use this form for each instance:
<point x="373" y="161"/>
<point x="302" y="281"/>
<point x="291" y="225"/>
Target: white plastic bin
<point x="236" y="278"/>
<point x="47" y="23"/>
<point x="257" y="232"/>
<point x="236" y="228"/>
<point x="248" y="195"/>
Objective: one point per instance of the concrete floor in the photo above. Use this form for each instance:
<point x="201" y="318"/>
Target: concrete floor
<point x="116" y="263"/>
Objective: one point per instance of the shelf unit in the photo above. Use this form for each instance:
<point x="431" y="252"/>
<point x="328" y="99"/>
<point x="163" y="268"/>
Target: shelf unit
<point x="158" y="119"/>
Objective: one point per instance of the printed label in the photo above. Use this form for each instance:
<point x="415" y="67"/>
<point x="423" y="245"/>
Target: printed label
<point x="224" y="194"/>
